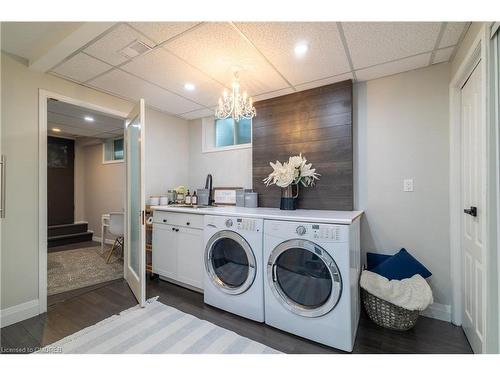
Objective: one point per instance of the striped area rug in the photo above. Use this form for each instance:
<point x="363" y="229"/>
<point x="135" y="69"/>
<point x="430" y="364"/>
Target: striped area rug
<point x="157" y="328"/>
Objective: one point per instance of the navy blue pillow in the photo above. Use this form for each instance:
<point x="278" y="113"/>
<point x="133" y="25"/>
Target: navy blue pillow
<point x="374" y="259"/>
<point x="401" y="266"/>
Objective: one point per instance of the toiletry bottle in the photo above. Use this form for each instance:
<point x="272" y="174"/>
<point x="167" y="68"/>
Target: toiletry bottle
<point x="188" y="198"/>
<point x="194" y="199"/>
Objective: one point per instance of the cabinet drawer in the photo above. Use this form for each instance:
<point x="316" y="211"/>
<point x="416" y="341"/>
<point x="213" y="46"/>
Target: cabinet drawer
<point x="178" y="218"/>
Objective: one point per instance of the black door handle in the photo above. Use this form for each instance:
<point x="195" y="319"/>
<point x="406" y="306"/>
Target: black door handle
<point x="471" y="211"/>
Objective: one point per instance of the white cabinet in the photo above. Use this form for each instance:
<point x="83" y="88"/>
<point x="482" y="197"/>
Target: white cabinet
<point x="190" y="256"/>
<point x="165" y="250"/>
<point x="178" y="247"/>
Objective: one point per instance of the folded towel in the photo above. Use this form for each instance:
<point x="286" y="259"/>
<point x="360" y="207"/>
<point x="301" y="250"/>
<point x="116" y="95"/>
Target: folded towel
<point x="411" y="294"/>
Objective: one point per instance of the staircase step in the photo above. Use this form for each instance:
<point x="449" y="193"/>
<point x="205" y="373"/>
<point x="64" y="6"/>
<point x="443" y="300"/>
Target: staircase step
<point x="62" y="229"/>
<point x="66" y="239"/>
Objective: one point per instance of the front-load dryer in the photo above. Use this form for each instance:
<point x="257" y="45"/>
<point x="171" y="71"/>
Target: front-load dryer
<point x="311" y="280"/>
<point x="233" y="265"/>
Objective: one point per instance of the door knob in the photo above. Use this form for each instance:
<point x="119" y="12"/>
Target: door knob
<point x="471" y="211"/>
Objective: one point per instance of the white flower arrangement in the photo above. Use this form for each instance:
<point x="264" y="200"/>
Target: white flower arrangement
<point x="292" y="172"/>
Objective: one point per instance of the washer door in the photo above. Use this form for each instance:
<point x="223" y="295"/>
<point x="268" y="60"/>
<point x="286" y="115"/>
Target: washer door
<point x="304" y="278"/>
<point x="230" y="262"/>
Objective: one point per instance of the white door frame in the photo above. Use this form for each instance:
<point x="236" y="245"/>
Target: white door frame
<point x="479" y="51"/>
<point x="43" y="96"/>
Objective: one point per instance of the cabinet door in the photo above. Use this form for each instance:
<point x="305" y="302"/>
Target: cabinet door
<point x="190" y="265"/>
<point x="165" y="250"/>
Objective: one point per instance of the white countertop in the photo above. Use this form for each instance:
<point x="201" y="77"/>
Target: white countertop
<point x="314" y="216"/>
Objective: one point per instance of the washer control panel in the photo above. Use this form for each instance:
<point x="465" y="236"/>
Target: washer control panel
<point x="324" y="232"/>
<point x="247" y="225"/>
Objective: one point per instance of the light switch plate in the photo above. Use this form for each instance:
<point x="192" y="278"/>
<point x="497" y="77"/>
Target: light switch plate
<point x="408" y="184"/>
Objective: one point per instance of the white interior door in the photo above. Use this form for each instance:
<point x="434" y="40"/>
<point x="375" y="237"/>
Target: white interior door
<point x="473" y="219"/>
<point x="135" y="254"/>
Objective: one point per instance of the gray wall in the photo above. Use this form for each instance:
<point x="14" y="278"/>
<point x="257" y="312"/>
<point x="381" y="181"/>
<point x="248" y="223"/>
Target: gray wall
<point x="104" y="187"/>
<point x="401" y="125"/>
<point x="167" y="152"/>
<point x="400" y="131"/>
<point x="228" y="168"/>
<point x="20" y="145"/>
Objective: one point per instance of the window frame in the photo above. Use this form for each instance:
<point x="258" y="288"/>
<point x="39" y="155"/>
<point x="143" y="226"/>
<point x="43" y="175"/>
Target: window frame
<point x="208" y="138"/>
<point x="114" y="161"/>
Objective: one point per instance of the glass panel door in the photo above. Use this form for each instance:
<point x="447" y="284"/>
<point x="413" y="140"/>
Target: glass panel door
<point x="304" y="278"/>
<point x="230" y="262"/>
<point x="135" y="255"/>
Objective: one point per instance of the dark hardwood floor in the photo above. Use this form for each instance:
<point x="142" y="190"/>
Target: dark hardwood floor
<point x="77" y="310"/>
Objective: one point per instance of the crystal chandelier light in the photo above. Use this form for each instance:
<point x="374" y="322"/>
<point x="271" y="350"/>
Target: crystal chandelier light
<point x="238" y="106"/>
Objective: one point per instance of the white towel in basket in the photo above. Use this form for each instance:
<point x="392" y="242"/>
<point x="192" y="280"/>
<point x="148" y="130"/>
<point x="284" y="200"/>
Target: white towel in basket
<point x="411" y="294"/>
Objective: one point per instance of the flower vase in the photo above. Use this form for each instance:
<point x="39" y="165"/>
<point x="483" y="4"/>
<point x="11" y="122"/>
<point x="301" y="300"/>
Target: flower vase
<point x="288" y="199"/>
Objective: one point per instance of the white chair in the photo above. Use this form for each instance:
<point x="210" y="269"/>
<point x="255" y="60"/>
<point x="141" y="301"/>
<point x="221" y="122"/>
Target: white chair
<point x="116" y="228"/>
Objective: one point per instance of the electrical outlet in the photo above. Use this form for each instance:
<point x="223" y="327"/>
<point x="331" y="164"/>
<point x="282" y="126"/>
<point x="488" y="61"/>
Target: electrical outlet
<point x="408" y="184"/>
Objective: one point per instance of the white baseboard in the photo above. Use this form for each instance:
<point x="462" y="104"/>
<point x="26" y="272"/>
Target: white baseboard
<point x="438" y="311"/>
<point x="106" y="241"/>
<point x="17" y="313"/>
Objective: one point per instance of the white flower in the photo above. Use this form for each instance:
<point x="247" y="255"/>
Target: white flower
<point x="296" y="161"/>
<point x="295" y="171"/>
<point x="285" y="175"/>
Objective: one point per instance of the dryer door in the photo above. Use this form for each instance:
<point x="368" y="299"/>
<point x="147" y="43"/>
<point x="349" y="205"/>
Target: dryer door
<point x="304" y="278"/>
<point x="230" y="262"/>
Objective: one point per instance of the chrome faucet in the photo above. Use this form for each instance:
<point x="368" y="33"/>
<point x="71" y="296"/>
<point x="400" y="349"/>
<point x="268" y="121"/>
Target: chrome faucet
<point x="208" y="185"/>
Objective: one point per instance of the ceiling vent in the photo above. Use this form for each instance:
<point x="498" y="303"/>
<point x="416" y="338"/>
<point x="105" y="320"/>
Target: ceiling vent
<point x="134" y="49"/>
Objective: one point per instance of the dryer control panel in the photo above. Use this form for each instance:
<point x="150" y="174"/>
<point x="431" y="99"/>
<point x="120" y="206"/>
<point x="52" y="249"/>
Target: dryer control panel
<point x="320" y="232"/>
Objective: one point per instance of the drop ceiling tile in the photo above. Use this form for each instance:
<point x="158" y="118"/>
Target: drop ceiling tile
<point x="168" y="71"/>
<point x="393" y="67"/>
<point x="81" y="67"/>
<point x="276" y="40"/>
<point x="215" y="48"/>
<point x="107" y="135"/>
<point x="70" y="130"/>
<point x="442" y="55"/>
<point x="107" y="47"/>
<point x="452" y="33"/>
<point x="73" y="115"/>
<point x="373" y="43"/>
<point x="128" y="86"/>
<point x="162" y="31"/>
<point x="79" y="122"/>
<point x="198" y="114"/>
<point x="324" y="82"/>
<point x="273" y="94"/>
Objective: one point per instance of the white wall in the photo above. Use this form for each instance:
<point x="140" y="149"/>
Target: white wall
<point x="104" y="187"/>
<point x="19" y="268"/>
<point x="167" y="152"/>
<point x="401" y="125"/>
<point x="228" y="168"/>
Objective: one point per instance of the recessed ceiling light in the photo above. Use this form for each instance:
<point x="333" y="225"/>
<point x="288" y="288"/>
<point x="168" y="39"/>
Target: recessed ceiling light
<point x="56" y="130"/>
<point x="189" y="86"/>
<point x="301" y="49"/>
<point x="89" y="119"/>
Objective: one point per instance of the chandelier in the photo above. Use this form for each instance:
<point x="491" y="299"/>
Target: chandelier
<point x="238" y="106"/>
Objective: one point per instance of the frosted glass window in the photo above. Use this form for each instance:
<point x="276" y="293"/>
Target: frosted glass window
<point x="113" y="150"/>
<point x="230" y="133"/>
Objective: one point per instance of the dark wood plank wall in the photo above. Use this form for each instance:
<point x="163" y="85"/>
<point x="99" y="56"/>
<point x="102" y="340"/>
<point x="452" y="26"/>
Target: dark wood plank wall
<point x="318" y="124"/>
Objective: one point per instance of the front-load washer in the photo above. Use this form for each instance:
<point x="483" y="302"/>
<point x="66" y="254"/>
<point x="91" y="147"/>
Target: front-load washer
<point x="311" y="282"/>
<point x="233" y="265"/>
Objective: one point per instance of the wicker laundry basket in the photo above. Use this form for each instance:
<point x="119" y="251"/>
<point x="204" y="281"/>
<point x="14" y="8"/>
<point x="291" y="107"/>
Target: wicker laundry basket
<point x="388" y="315"/>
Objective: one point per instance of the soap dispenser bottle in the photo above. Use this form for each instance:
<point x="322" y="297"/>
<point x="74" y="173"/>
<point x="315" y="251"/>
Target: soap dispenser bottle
<point x="188" y="198"/>
<point x="194" y="199"/>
